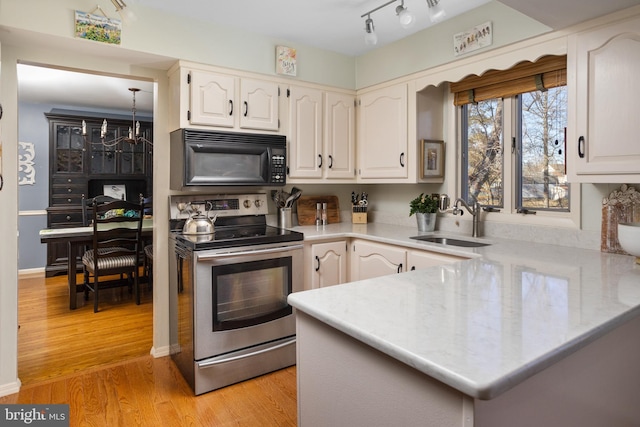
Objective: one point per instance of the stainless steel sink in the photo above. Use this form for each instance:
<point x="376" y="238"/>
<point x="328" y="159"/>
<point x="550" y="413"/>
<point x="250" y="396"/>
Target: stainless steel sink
<point x="450" y="241"/>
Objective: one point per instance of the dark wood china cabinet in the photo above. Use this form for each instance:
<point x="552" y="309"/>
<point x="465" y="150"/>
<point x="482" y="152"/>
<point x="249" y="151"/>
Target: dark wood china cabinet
<point x="80" y="169"/>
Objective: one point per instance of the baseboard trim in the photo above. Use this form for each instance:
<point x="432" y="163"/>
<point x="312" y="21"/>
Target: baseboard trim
<point x="160" y="351"/>
<point x="27" y="273"/>
<point x="10" y="388"/>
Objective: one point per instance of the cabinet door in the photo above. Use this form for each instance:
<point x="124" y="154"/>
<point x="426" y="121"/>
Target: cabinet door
<point x="382" y="137"/>
<point x="68" y="148"/>
<point x="259" y="105"/>
<point x="371" y="259"/>
<point x="339" y="135"/>
<point x="605" y="65"/>
<point x="417" y="260"/>
<point x="212" y="99"/>
<point x="305" y="133"/>
<point x="103" y="159"/>
<point x="329" y="264"/>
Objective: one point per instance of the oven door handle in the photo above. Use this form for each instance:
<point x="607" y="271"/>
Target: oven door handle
<point x="205" y="257"/>
<point x="210" y="363"/>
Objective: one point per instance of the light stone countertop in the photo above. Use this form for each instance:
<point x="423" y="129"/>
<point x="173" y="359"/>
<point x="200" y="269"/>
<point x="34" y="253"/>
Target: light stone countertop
<point x="482" y="325"/>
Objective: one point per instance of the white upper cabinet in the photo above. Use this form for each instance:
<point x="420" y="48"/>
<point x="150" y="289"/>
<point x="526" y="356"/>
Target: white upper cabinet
<point x="203" y="98"/>
<point x="212" y="99"/>
<point x="603" y="67"/>
<point x="259" y="104"/>
<point x="340" y="135"/>
<point x="305" y="133"/>
<point x="321" y="135"/>
<point x="383" y="133"/>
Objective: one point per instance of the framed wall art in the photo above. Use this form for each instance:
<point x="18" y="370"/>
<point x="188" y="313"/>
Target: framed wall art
<point x="286" y="61"/>
<point x="431" y="159"/>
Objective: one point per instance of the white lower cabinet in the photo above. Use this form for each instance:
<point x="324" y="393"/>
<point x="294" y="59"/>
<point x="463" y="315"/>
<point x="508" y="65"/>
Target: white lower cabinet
<point x="371" y="259"/>
<point x="334" y="262"/>
<point x="328" y="264"/>
<point x="417" y="260"/>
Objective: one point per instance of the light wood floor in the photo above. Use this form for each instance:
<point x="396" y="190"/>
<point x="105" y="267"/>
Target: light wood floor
<point x="99" y="364"/>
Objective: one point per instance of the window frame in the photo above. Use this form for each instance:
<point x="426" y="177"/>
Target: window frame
<point x="509" y="213"/>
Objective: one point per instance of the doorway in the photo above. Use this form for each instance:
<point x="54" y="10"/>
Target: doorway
<point x="41" y="90"/>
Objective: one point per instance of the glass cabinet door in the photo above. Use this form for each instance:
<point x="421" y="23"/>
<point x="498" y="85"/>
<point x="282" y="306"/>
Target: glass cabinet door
<point x="103" y="157"/>
<point x="132" y="156"/>
<point x="69" y="149"/>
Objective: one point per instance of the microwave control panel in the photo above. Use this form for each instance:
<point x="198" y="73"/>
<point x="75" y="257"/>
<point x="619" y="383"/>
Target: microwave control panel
<point x="278" y="169"/>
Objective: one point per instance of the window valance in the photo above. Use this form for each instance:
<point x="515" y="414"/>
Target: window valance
<point x="547" y="72"/>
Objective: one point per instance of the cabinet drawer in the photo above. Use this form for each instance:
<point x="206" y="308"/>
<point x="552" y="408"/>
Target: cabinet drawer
<point x="65" y="219"/>
<point x="60" y="181"/>
<point x="66" y="199"/>
<point x="70" y="189"/>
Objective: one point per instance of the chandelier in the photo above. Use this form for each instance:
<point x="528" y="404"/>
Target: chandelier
<point x="133" y="136"/>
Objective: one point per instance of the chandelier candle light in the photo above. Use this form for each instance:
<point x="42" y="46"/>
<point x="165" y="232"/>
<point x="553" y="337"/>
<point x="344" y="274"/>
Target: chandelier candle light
<point x="131" y="138"/>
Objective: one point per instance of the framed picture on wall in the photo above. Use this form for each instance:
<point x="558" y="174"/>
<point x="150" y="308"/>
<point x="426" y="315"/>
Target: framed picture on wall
<point x="431" y="159"/>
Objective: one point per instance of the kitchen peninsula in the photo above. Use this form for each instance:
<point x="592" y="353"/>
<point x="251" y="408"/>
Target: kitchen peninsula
<point x="521" y="334"/>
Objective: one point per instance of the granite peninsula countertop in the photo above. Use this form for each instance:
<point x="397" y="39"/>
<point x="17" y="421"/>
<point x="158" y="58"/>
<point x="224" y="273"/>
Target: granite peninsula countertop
<point x="485" y="324"/>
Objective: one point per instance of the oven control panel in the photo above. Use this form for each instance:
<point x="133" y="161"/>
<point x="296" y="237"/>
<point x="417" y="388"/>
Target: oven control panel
<point x="220" y="204"/>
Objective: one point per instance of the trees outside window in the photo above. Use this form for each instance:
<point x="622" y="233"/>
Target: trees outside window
<point x="537" y="136"/>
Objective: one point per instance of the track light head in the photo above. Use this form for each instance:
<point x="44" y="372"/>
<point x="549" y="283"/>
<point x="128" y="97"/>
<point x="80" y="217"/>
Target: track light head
<point x="406" y="18"/>
<point x="371" y="38"/>
<point x="436" y="12"/>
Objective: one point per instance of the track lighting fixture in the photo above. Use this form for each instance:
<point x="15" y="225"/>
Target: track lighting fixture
<point x="406" y="18"/>
<point x="436" y="12"/>
<point x="370" y="38"/>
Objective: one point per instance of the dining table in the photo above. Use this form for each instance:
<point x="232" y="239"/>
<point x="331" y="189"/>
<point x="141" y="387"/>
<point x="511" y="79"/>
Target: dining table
<point x="75" y="237"/>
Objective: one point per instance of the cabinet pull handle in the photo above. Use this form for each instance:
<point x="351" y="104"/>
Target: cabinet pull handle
<point x="231" y="107"/>
<point x="317" y="263"/>
<point x="320" y="158"/>
<point x="330" y="161"/>
<point x="402" y="159"/>
<point x="581" y="147"/>
<point x="246" y="108"/>
<point x="400" y="268"/>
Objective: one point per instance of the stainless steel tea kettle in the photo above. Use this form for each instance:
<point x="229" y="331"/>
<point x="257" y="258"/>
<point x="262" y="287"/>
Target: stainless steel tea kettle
<point x="199" y="223"/>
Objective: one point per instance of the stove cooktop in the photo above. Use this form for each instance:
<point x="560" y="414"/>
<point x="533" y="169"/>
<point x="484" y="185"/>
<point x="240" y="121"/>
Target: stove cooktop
<point x="240" y="221"/>
<point x="235" y="236"/>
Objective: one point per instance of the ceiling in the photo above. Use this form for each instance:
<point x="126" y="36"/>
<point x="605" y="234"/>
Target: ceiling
<point x="334" y="25"/>
<point x="337" y="25"/>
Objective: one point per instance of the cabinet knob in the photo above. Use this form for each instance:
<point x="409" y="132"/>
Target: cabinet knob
<point x="68" y="200"/>
<point x="69" y="190"/>
<point x="69" y="180"/>
<point x="68" y="218"/>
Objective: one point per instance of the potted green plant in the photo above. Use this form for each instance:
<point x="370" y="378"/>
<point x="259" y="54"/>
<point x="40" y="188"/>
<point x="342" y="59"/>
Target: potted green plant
<point x="425" y="208"/>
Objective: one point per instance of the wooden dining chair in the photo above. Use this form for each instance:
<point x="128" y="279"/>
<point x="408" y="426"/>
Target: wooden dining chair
<point x="116" y="248"/>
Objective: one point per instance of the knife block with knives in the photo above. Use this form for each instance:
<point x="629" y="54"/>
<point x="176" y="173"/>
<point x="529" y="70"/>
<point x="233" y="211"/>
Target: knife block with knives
<point x="359" y="204"/>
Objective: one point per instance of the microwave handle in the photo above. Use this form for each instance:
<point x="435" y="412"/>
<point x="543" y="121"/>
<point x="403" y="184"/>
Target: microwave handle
<point x="203" y="257"/>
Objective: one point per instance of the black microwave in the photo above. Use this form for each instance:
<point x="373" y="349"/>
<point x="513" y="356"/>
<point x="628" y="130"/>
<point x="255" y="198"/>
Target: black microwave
<point x="208" y="158"/>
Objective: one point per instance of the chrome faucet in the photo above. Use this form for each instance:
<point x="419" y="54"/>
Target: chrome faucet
<point x="475" y="213"/>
